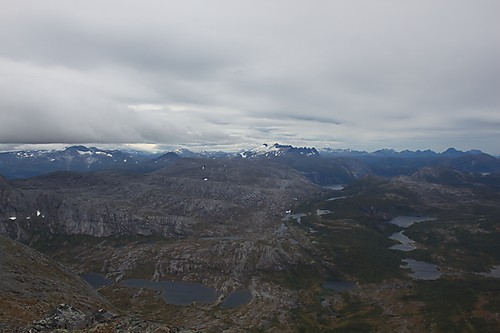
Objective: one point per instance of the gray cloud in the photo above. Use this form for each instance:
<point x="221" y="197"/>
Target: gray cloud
<point x="365" y="75"/>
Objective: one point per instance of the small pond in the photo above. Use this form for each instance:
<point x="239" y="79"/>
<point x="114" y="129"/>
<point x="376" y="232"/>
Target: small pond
<point x="404" y="221"/>
<point x="422" y="270"/>
<point x="177" y="293"/>
<point x="236" y="299"/>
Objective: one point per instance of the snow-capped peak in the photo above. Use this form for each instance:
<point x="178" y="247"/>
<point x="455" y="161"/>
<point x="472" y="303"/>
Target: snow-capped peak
<point x="277" y="150"/>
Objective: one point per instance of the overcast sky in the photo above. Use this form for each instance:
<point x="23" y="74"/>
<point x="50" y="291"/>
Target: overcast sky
<point x="229" y="74"/>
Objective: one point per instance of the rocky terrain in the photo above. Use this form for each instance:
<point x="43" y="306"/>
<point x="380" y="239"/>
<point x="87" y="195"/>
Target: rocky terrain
<point x="255" y="225"/>
<point x="32" y="284"/>
<point x="216" y="222"/>
<point x="38" y="294"/>
<point x="195" y="197"/>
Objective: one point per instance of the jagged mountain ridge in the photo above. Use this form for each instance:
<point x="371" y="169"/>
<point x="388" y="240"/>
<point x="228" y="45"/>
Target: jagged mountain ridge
<point x="324" y="166"/>
<point x="390" y="163"/>
<point x="23" y="164"/>
<point x="450" y="152"/>
<point x="277" y="150"/>
<point x="310" y="163"/>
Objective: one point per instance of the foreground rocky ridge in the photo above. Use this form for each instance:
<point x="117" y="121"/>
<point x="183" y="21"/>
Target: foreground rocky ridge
<point x="38" y="294"/>
<point x="32" y="283"/>
<point x="66" y="318"/>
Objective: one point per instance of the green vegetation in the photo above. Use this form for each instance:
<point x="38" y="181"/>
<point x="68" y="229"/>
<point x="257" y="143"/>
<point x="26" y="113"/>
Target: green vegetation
<point x="465" y="243"/>
<point x="354" y="239"/>
<point x="362" y="253"/>
<point x="453" y="305"/>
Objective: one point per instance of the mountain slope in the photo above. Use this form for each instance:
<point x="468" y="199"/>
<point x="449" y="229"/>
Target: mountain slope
<point x="31" y="284"/>
<point x="24" y="164"/>
<point x="310" y="163"/>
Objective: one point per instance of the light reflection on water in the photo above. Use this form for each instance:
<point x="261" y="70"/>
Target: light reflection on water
<point x="407" y="244"/>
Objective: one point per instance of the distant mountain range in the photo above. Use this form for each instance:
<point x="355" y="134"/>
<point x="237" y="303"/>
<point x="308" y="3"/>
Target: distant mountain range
<point x="323" y="166"/>
<point x="450" y="152"/>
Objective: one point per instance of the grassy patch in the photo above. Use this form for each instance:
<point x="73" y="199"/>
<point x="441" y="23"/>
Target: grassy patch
<point x="450" y="304"/>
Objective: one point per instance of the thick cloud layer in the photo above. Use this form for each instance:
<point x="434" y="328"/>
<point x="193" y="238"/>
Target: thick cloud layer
<point x="359" y="74"/>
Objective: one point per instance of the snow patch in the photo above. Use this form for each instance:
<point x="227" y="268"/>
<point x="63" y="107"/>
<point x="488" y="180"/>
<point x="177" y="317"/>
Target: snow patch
<point x="24" y="154"/>
<point x="12" y="218"/>
<point x="104" y="153"/>
<point x="84" y="152"/>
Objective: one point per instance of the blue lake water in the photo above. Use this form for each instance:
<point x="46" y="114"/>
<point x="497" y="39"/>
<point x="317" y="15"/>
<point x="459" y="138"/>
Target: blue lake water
<point x="177" y="293"/>
<point x="96" y="280"/>
<point x="174" y="292"/>
<point x="236" y="299"/>
<point x="404" y="221"/>
<point x="422" y="270"/>
<point x="406" y="243"/>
